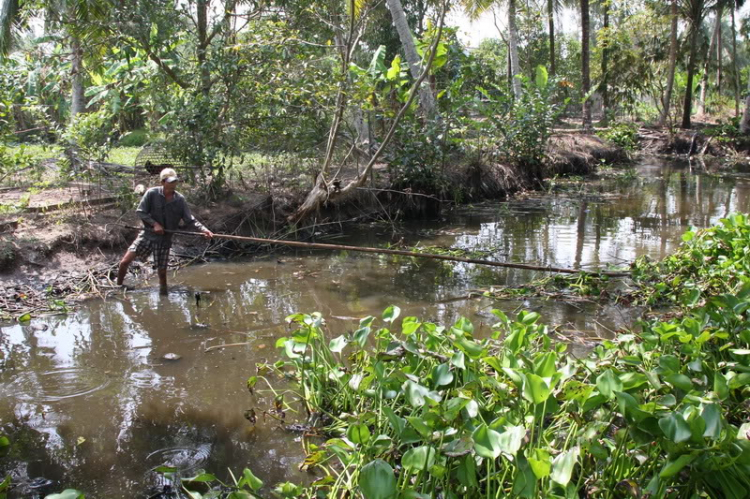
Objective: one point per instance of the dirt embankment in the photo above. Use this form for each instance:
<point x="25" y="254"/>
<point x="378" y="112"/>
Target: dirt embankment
<point x="67" y="242"/>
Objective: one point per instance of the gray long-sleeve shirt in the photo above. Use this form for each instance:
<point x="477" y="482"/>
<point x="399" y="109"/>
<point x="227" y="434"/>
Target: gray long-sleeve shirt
<point x="154" y="208"/>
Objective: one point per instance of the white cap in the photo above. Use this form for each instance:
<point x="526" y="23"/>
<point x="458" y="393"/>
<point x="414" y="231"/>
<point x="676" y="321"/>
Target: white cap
<point x="168" y="175"/>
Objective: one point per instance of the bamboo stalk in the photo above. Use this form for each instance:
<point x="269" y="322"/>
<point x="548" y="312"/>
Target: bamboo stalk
<point x="364" y="249"/>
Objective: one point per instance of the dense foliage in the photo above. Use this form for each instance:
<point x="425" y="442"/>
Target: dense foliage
<point x="217" y="80"/>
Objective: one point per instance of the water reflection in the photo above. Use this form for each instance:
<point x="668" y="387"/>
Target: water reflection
<point x="90" y="401"/>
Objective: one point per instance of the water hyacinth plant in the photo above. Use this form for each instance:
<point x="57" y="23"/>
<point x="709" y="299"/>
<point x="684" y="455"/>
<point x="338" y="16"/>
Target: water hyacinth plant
<point x="414" y="409"/>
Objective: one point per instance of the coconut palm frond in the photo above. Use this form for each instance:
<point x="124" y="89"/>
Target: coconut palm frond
<point x="475" y="8"/>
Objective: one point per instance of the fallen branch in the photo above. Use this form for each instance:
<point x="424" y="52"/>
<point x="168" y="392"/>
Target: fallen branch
<point x="384" y="251"/>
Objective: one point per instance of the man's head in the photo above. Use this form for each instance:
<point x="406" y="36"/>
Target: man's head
<point x="169" y="180"/>
<point x="168" y="175"/>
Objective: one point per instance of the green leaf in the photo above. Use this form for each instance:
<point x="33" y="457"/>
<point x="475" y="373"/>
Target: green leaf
<point x="608" y="383"/>
<point x="201" y="477"/>
<point x="487" y="442"/>
<point x="562" y="466"/>
<point x="674" y="466"/>
<point x="397" y="422"/>
<point x="679" y="381"/>
<point x="721" y="388"/>
<point x="360" y="336"/>
<point x="416" y="394"/>
<point x="471" y="348"/>
<point x="391" y="313"/>
<point x="541" y="463"/>
<point x="712" y="416"/>
<point x="395" y="70"/>
<point x="542" y="77"/>
<point x="249" y="480"/>
<point x="467" y="472"/>
<point x="409" y="325"/>
<point x="377" y="481"/>
<point x="675" y="427"/>
<point x="442" y="375"/>
<point x="27" y="318"/>
<point x="358" y="433"/>
<point x="545" y="366"/>
<point x="535" y="389"/>
<point x="420" y="458"/>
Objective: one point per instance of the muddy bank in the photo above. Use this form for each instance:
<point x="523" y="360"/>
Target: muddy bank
<point x="49" y="259"/>
<point x="699" y="142"/>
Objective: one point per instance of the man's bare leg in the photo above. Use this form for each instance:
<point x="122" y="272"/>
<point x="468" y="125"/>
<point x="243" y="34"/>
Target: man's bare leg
<point x="122" y="270"/>
<point x="162" y="281"/>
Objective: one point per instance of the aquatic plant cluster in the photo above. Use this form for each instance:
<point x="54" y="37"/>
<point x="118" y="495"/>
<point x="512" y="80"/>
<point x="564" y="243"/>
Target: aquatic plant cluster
<point x="423" y="410"/>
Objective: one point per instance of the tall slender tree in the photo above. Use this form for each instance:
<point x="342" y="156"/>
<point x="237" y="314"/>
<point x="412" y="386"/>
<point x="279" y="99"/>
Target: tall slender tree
<point x="475" y="8"/>
<point x="667" y="103"/>
<point x="694" y="12"/>
<point x="586" y="64"/>
<point x="709" y="54"/>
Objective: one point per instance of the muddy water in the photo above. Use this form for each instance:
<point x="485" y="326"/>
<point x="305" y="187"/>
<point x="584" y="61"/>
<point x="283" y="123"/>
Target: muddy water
<point x="90" y="402"/>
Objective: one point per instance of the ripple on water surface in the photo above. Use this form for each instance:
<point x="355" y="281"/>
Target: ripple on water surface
<point x="182" y="458"/>
<point x="58" y="384"/>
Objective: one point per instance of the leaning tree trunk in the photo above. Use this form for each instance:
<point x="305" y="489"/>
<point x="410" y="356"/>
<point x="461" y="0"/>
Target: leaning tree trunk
<point x="426" y="97"/>
<point x="77" y="99"/>
<point x="513" y="36"/>
<point x="585" y="64"/>
<point x="704" y="76"/>
<point x="551" y="23"/>
<point x="688" y="107"/>
<point x="672" y="65"/>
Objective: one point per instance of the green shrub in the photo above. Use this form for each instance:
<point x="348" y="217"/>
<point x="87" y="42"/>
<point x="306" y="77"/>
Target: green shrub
<point x="135" y="138"/>
<point x="623" y="135"/>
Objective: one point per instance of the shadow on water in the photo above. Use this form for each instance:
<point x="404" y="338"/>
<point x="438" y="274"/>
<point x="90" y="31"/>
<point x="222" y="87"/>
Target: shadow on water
<point x="92" y="401"/>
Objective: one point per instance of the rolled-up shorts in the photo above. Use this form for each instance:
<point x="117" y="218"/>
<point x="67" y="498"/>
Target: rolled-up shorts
<point x="143" y="247"/>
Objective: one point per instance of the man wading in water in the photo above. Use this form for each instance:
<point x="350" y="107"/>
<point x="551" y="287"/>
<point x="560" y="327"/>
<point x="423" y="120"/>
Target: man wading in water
<point x="161" y="208"/>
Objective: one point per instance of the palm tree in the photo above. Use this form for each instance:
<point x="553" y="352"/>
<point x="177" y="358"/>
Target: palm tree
<point x="694" y="11"/>
<point x="586" y="64"/>
<point x="672" y="64"/>
<point x="714" y="43"/>
<point x="475" y="8"/>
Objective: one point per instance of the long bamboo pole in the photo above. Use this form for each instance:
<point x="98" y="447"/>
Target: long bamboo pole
<point x="364" y="249"/>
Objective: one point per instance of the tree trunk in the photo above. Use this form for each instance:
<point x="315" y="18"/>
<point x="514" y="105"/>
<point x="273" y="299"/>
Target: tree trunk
<point x="734" y="67"/>
<point x="513" y="36"/>
<point x="585" y="64"/>
<point x="551" y="23"/>
<point x="605" y="76"/>
<point x="688" y="107"/>
<point x="205" y="75"/>
<point x="426" y="97"/>
<point x="77" y="99"/>
<point x="718" y="52"/>
<point x="667" y="104"/>
<point x="704" y="76"/>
